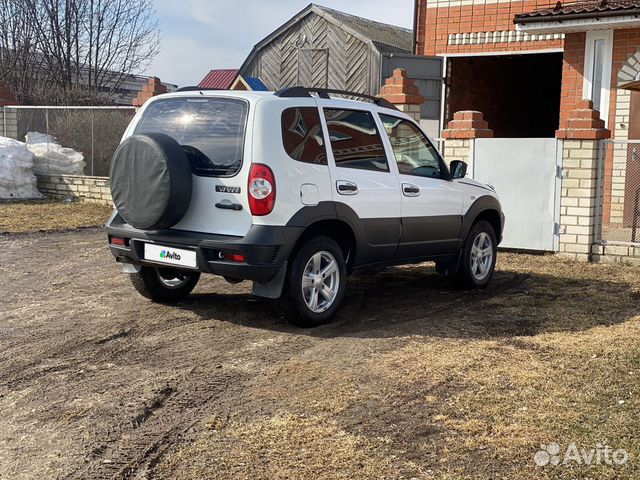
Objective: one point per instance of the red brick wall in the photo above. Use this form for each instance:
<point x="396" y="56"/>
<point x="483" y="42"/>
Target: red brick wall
<point x="436" y="21"/>
<point x="572" y="73"/>
<point x="625" y="43"/>
<point x="7" y="97"/>
<point x="151" y="89"/>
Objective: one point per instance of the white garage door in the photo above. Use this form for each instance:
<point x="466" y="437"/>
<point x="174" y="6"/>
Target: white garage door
<point x="525" y="173"/>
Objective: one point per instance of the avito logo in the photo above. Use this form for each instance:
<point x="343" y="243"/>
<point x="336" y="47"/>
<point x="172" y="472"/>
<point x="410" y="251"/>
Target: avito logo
<point x="168" y="255"/>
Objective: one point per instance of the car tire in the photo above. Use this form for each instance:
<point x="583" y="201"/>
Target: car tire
<point x="478" y="256"/>
<point x="164" y="285"/>
<point x="316" y="282"/>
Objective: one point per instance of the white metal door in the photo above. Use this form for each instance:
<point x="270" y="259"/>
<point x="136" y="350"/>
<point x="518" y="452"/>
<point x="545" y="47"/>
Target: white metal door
<point x="525" y="173"/>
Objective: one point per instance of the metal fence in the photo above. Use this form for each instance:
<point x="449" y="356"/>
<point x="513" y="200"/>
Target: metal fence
<point x="618" y="206"/>
<point x="62" y="134"/>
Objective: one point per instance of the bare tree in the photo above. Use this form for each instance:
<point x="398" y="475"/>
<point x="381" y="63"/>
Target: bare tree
<point x="78" y="49"/>
<point x="20" y="64"/>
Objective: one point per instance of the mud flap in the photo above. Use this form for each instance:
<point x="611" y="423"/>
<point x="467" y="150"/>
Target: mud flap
<point x="274" y="288"/>
<point x="450" y="269"/>
<point x="130" y="268"/>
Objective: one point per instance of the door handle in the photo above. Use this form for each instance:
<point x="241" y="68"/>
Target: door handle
<point x="229" y="206"/>
<point x="346" y="188"/>
<point x="410" y="190"/>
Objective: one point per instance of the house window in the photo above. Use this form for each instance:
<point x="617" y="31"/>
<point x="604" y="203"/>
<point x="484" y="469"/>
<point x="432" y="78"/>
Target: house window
<point x="597" y="68"/>
<point x="598" y="59"/>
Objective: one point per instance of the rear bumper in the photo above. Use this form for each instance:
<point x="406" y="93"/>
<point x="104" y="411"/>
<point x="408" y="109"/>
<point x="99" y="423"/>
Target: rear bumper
<point x="265" y="248"/>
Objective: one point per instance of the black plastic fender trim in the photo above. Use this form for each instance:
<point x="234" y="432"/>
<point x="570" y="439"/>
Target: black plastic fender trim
<point x="482" y="204"/>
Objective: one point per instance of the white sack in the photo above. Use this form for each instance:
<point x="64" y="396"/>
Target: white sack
<point x="16" y="171"/>
<point x="49" y="157"/>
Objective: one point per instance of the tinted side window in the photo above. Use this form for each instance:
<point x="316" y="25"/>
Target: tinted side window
<point x="355" y="140"/>
<point x="302" y="135"/>
<point x="414" y="153"/>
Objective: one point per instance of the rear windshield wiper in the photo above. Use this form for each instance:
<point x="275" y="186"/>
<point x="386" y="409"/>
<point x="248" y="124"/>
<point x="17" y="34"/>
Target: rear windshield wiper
<point x="217" y="170"/>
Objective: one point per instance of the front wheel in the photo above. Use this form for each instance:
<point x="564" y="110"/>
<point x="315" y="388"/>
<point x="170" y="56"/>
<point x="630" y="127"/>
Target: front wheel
<point x="478" y="260"/>
<point x="164" y="285"/>
<point x="316" y="282"/>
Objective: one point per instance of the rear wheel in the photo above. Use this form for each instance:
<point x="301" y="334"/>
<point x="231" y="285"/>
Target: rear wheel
<point x="478" y="258"/>
<point x="316" y="282"/>
<point x="164" y="285"/>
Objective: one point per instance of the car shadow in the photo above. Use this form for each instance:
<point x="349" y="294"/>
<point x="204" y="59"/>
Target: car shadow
<point x="416" y="301"/>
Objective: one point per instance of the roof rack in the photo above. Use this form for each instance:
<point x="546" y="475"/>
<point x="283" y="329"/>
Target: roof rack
<point x="302" y="92"/>
<point x="194" y="88"/>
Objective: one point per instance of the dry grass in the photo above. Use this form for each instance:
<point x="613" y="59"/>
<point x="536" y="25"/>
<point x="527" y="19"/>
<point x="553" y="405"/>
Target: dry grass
<point x="551" y="354"/>
<point x="49" y="215"/>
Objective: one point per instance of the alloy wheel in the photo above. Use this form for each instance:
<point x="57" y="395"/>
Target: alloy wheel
<point x="320" y="282"/>
<point x="481" y="256"/>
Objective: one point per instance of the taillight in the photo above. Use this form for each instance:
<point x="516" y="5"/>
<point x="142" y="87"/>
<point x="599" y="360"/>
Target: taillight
<point x="233" y="257"/>
<point x="120" y="242"/>
<point x="262" y="190"/>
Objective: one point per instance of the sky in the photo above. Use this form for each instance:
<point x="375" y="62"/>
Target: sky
<point x="201" y="35"/>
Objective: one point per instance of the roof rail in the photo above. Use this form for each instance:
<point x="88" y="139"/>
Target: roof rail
<point x="194" y="88"/>
<point x="289" y="92"/>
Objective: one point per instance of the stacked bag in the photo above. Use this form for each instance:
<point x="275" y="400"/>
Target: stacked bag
<point x="17" y="180"/>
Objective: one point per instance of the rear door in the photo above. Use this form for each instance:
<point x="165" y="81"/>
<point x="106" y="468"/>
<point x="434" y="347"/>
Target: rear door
<point x="431" y="204"/>
<point x="214" y="133"/>
<point x="366" y="191"/>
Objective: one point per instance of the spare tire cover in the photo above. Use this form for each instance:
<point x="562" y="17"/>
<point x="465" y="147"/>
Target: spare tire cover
<point x="151" y="181"/>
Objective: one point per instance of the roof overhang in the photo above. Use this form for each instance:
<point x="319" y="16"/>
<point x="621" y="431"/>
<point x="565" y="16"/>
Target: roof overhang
<point x="579" y="22"/>
<point x="635" y="86"/>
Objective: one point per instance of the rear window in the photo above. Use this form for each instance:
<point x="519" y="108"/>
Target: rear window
<point x="302" y="135"/>
<point x="210" y="130"/>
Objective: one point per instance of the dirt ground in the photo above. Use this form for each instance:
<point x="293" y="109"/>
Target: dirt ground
<point x="50" y="215"/>
<point x="414" y="380"/>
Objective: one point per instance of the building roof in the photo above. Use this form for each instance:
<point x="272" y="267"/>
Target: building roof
<point x="580" y="10"/>
<point x="219" y="79"/>
<point x="256" y="84"/>
<point x="383" y="37"/>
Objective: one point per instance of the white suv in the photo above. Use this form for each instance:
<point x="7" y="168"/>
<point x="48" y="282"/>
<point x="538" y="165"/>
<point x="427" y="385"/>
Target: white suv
<point x="293" y="190"/>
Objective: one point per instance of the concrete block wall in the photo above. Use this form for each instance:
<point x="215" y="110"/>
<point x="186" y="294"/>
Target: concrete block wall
<point x="620" y="153"/>
<point x="460" y="136"/>
<point x="581" y="132"/>
<point x="8" y="116"/>
<point x="9" y="122"/>
<point x="411" y="110"/>
<point x="84" y="188"/>
<point x="458" y="149"/>
<point x="616" y="254"/>
<point x="578" y="199"/>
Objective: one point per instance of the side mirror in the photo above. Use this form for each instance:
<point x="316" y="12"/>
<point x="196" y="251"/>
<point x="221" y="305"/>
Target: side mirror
<point x="458" y="169"/>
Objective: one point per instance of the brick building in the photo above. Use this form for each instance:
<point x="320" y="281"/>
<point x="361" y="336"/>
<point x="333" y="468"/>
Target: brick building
<point x="504" y="57"/>
<point x="541" y="69"/>
<point x="492" y="67"/>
